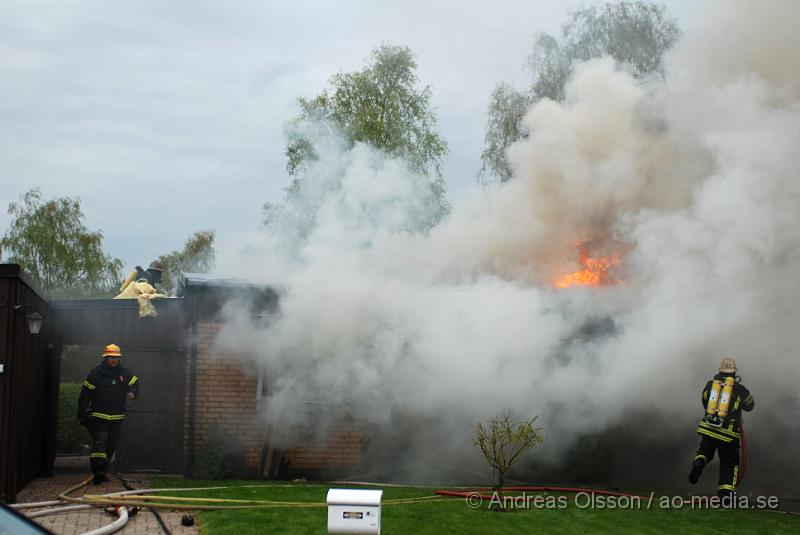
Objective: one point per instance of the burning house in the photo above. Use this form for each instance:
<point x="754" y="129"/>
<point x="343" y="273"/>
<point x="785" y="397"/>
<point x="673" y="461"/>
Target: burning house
<point x="649" y="228"/>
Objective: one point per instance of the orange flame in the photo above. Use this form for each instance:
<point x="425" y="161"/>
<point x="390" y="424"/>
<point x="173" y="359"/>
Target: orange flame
<point x="595" y="271"/>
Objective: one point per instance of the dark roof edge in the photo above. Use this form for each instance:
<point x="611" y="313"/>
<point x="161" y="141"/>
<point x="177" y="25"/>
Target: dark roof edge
<point x="14" y="271"/>
<point x="108" y="304"/>
<point x="202" y="280"/>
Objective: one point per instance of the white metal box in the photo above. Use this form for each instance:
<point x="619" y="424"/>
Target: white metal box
<point x="354" y="511"/>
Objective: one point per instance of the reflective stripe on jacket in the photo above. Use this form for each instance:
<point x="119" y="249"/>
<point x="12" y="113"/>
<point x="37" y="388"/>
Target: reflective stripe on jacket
<point x="105" y="391"/>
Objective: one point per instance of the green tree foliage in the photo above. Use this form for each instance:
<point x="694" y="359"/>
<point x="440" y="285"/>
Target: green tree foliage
<point x="635" y="34"/>
<point x="197" y="256"/>
<point x="49" y="240"/>
<point x="503" y="127"/>
<point x="502" y="441"/>
<point x="380" y="105"/>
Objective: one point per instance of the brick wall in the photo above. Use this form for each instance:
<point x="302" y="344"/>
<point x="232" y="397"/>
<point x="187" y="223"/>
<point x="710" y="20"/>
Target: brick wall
<point x="340" y="451"/>
<point x="226" y="396"/>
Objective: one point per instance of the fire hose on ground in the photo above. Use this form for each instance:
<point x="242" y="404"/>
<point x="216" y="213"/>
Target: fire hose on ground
<point x="159" y="519"/>
<point x="117" y="525"/>
<point x="134" y="497"/>
<point x="138" y="498"/>
<point x="120" y="511"/>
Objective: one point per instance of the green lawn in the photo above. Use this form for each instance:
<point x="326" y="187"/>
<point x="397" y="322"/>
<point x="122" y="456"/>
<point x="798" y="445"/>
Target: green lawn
<point x="454" y="516"/>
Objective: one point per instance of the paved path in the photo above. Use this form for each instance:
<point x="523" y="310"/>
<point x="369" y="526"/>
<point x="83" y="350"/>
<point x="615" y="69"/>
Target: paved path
<point x="75" y="523"/>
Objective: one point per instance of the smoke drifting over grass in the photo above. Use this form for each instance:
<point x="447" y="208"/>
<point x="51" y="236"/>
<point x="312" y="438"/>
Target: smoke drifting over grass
<point x="694" y="182"/>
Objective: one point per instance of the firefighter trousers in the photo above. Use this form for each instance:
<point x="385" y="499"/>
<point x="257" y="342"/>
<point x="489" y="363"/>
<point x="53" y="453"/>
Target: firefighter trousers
<point x="728" y="461"/>
<point x="105" y="436"/>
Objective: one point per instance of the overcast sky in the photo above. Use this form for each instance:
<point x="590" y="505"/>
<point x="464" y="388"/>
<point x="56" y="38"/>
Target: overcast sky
<point x="167" y="117"/>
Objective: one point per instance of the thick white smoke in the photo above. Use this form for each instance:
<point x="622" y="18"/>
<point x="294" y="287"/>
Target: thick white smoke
<point x="694" y="182"/>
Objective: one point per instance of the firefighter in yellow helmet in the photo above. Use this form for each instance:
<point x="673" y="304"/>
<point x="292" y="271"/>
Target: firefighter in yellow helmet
<point x="724" y="398"/>
<point x="101" y="407"/>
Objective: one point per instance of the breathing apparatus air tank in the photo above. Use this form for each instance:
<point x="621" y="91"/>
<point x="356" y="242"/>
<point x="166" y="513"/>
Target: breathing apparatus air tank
<point x="719" y="400"/>
<point x="713" y="397"/>
<point x="725" y="397"/>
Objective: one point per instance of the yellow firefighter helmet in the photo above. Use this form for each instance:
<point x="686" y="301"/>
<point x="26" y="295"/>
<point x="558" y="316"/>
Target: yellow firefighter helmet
<point x="112" y="350"/>
<point x="727" y="365"/>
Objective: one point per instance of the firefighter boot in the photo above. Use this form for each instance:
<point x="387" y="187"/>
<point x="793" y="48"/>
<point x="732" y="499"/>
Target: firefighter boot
<point x="96" y="470"/>
<point x="727" y="498"/>
<point x="99" y="471"/>
<point x="697" y="469"/>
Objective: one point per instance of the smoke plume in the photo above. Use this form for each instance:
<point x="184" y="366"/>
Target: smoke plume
<point x="418" y="335"/>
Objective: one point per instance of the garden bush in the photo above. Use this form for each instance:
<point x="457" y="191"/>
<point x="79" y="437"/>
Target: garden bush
<point x="71" y="437"/>
<point x="220" y="457"/>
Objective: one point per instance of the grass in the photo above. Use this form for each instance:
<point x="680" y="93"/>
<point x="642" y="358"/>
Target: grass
<point x="454" y="516"/>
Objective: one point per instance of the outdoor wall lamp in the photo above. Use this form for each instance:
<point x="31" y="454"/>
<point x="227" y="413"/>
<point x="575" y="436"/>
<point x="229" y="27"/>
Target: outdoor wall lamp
<point x="34" y="319"/>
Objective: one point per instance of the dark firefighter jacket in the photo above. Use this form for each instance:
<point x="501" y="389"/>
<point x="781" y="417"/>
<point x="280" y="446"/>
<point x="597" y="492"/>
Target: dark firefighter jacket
<point x="741" y="399"/>
<point x="145" y="275"/>
<point x="104" y="392"/>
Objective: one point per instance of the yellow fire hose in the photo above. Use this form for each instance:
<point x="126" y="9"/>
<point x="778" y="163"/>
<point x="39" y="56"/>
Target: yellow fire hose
<point x="203" y="504"/>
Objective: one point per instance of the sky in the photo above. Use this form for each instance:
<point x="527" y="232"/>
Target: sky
<point x="166" y="118"/>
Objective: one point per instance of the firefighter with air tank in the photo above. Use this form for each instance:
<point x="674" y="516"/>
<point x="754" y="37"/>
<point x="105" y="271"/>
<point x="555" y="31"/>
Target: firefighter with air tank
<point x="101" y="407"/>
<point x="724" y="398"/>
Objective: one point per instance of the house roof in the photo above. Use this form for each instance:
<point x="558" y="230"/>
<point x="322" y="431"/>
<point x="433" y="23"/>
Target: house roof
<point x="214" y="290"/>
<point x="212" y="280"/>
